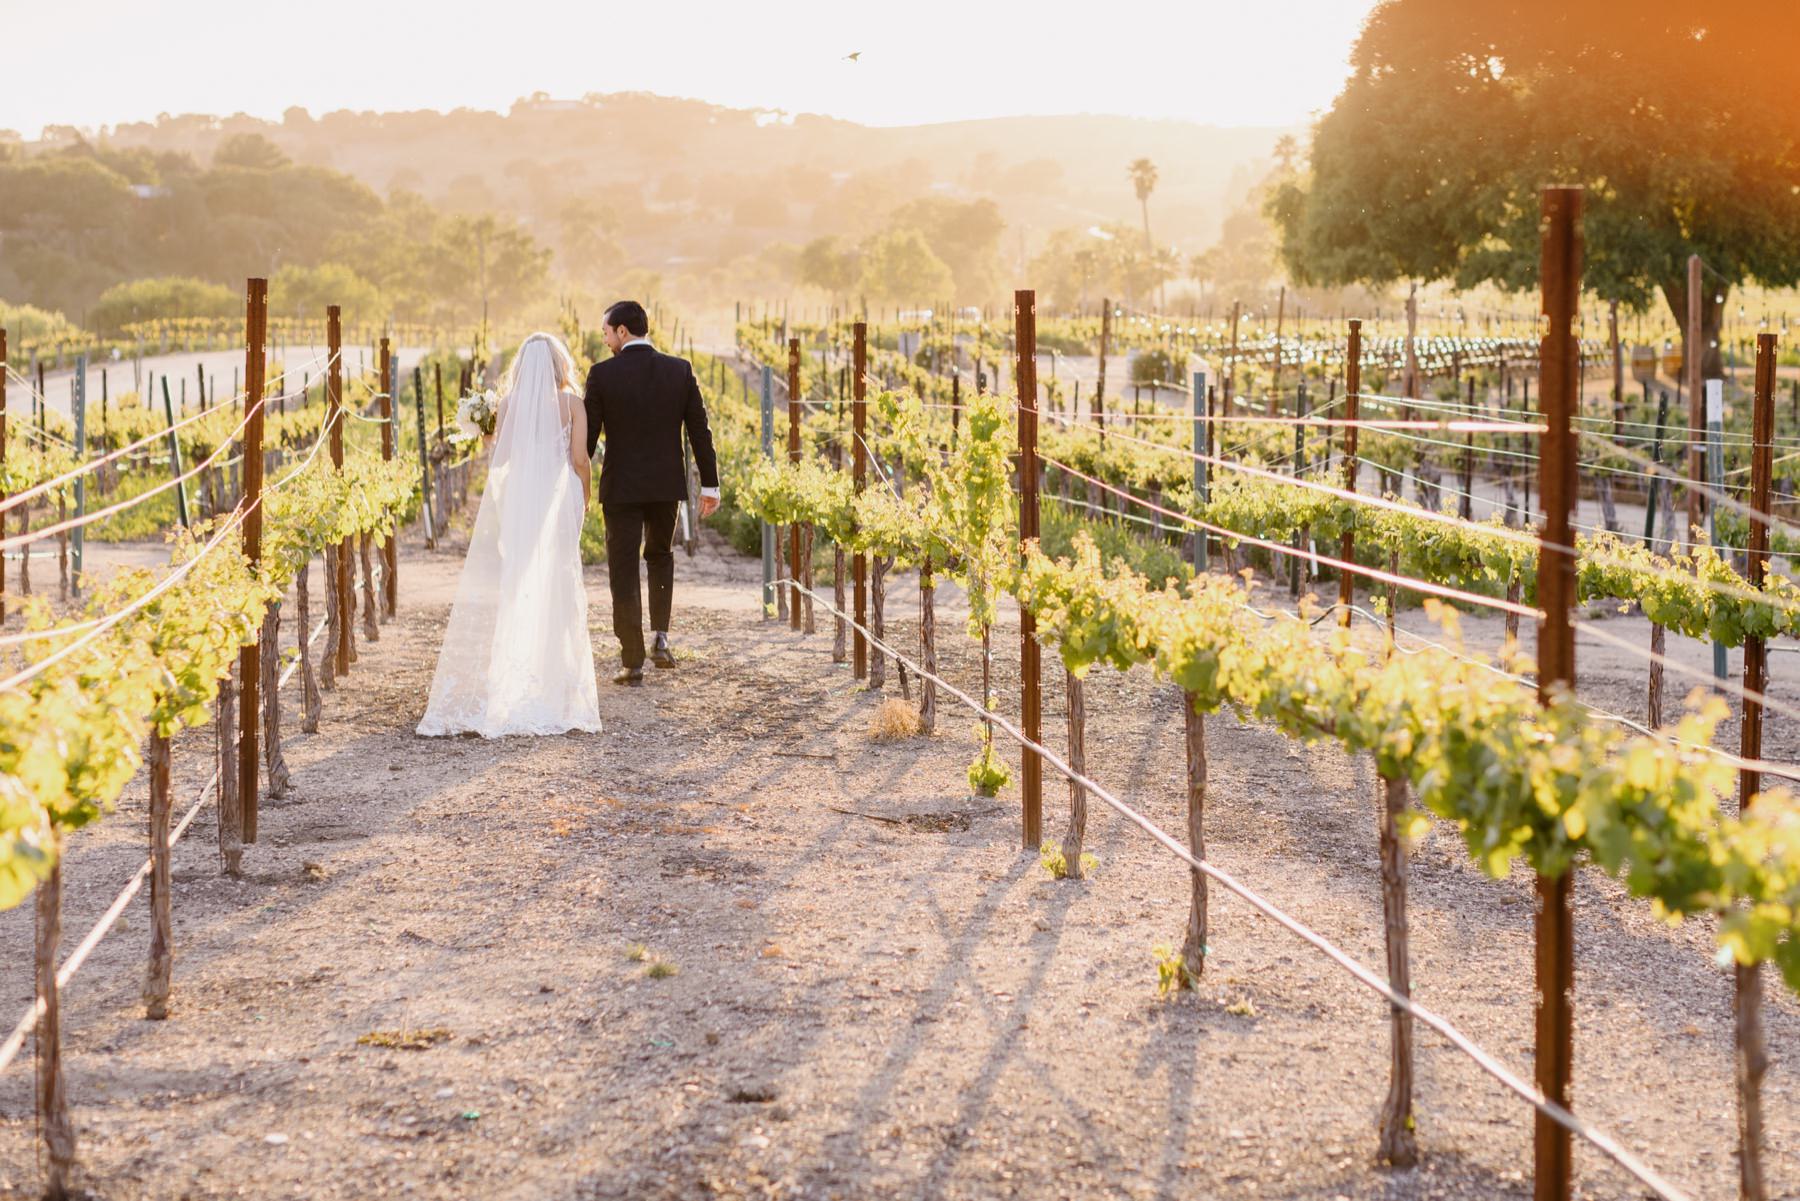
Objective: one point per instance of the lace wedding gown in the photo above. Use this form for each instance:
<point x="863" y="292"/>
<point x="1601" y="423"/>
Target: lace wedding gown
<point x="516" y="657"/>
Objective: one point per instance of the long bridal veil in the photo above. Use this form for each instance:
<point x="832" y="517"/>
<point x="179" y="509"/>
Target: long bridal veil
<point x="516" y="656"/>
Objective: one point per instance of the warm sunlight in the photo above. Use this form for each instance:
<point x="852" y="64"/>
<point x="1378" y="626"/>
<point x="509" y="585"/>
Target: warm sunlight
<point x="799" y="600"/>
<point x="1273" y="62"/>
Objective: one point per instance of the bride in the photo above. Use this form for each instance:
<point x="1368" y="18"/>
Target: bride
<point x="516" y="657"/>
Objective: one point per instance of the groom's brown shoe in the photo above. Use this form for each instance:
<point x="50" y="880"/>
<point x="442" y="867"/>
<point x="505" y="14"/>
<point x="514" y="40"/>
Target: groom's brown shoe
<point x="629" y="676"/>
<point x="661" y="655"/>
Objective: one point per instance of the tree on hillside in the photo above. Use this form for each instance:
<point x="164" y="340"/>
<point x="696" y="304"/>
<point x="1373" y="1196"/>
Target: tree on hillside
<point x="488" y="262"/>
<point x="828" y="265"/>
<point x="588" y="252"/>
<point x="1108" y="261"/>
<point x="250" y="150"/>
<point x="156" y="299"/>
<point x="1143" y="181"/>
<point x="966" y="235"/>
<point x="1676" y="118"/>
<point x="305" y="291"/>
<point x="898" y="267"/>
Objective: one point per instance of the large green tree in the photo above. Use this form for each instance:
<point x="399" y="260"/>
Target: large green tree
<point x="965" y="235"/>
<point x="1677" y="118"/>
<point x="898" y="266"/>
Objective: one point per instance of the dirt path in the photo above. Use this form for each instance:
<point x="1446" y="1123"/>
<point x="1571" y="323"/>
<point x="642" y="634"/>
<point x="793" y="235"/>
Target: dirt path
<point x="861" y="1008"/>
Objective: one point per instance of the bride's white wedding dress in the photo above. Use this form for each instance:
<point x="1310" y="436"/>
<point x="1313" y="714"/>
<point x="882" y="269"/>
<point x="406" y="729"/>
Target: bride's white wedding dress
<point x="516" y="657"/>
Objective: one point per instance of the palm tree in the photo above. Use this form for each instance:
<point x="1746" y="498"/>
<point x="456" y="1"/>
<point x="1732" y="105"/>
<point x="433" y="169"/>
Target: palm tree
<point x="1143" y="178"/>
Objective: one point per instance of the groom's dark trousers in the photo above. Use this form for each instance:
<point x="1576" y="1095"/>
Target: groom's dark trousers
<point x="628" y="527"/>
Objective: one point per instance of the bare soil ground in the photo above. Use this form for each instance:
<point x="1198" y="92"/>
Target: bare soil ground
<point x="859" y="1007"/>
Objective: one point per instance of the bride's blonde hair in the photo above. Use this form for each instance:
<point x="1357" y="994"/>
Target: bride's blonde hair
<point x="562" y="361"/>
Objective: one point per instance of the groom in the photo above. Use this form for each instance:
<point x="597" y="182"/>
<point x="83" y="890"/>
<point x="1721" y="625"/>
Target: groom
<point x="638" y="400"/>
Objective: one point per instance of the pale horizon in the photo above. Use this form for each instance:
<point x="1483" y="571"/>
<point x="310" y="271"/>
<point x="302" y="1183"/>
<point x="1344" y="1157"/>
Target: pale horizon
<point x="104" y="63"/>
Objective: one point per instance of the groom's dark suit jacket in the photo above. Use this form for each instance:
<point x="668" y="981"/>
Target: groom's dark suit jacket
<point x="639" y="399"/>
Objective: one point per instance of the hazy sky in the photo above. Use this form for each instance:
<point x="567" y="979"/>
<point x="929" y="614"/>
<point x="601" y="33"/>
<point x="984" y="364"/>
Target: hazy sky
<point x="1243" y="62"/>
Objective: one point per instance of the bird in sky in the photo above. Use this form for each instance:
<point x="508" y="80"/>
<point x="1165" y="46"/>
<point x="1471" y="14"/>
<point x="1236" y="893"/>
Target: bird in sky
<point x="850" y="58"/>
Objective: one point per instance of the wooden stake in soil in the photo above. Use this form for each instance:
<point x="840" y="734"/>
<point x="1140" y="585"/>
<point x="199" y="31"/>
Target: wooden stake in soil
<point x="1352" y="404"/>
<point x="1693" y="357"/>
<point x="256" y="336"/>
<point x="1193" y="948"/>
<point x="1397" y="1145"/>
<point x="1752" y="1050"/>
<point x="390" y="547"/>
<point x="1076" y="833"/>
<point x="52" y="1097"/>
<point x="1560" y="273"/>
<point x="426" y="512"/>
<point x="231" y="811"/>
<point x="162" y="939"/>
<point x="793" y="449"/>
<point x="344" y="589"/>
<point x="1031" y="696"/>
<point x="859" y="458"/>
<point x="927" y="647"/>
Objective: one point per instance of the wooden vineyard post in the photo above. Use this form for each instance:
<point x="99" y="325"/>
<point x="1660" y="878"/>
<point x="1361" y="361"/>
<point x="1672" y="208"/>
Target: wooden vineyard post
<point x="425" y="514"/>
<point x="1193" y="947"/>
<point x="390" y="434"/>
<point x="162" y="939"/>
<point x="1467" y="502"/>
<point x="1202" y="472"/>
<point x="1752" y="1050"/>
<point x="1397" y="1145"/>
<point x="1692" y="358"/>
<point x="927" y="646"/>
<point x="840" y="652"/>
<point x="1663" y="490"/>
<point x="256" y="332"/>
<point x="1031" y="697"/>
<point x="1560" y="273"/>
<point x="1352" y="405"/>
<point x="52" y="1096"/>
<point x="3" y="365"/>
<point x="859" y="459"/>
<point x="768" y="531"/>
<point x="793" y="451"/>
<point x="181" y="498"/>
<point x="343" y="595"/>
<point x="438" y="452"/>
<point x="78" y="410"/>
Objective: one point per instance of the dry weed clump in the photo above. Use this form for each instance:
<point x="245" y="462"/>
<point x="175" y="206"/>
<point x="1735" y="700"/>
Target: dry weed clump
<point x="895" y="720"/>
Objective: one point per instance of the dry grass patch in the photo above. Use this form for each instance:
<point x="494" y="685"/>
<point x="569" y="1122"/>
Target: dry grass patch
<point x="405" y="1040"/>
<point x="895" y="720"/>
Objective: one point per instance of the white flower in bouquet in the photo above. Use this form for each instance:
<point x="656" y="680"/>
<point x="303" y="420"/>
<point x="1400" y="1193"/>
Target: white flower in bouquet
<point x="475" y="414"/>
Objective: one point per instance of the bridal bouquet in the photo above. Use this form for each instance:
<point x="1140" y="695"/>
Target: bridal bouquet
<point x="475" y="414"/>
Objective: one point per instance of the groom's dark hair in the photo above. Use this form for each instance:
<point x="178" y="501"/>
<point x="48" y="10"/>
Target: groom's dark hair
<point x="631" y="315"/>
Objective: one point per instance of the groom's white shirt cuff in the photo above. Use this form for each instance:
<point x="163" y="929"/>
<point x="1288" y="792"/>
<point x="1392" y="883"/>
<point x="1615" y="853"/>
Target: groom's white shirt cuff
<point x="712" y="492"/>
